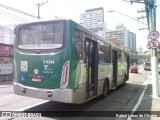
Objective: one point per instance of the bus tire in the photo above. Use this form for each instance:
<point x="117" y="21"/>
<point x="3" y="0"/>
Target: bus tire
<point x="105" y="89"/>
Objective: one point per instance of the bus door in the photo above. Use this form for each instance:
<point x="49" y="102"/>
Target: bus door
<point x="128" y="67"/>
<point x="91" y="59"/>
<point x="115" y="67"/>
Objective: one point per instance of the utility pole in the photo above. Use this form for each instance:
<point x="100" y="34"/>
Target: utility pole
<point x="150" y="9"/>
<point x="142" y="17"/>
<point x="39" y="5"/>
<point x="154" y="61"/>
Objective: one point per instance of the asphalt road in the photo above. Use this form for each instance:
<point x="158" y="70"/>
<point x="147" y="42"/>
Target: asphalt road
<point x="123" y="98"/>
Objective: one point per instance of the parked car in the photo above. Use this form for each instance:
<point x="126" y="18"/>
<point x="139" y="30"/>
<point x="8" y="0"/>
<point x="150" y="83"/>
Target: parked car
<point x="133" y="69"/>
<point x="147" y="66"/>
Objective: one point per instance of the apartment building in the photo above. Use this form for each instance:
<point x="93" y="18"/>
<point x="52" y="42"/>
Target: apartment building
<point x="126" y="37"/>
<point x="93" y="19"/>
<point x="6" y="34"/>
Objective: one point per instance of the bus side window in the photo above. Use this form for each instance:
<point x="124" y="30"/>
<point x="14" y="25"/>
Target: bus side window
<point x="119" y="57"/>
<point x="108" y="53"/>
<point x="104" y="53"/>
<point x="79" y="43"/>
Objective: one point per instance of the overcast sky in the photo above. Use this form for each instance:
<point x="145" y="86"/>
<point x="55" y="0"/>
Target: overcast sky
<point x="71" y="9"/>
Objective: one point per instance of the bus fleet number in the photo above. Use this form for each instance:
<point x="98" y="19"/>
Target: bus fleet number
<point x="48" y="61"/>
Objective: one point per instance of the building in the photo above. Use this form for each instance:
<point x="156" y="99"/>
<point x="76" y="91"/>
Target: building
<point x="126" y="37"/>
<point x="6" y="34"/>
<point x="6" y="53"/>
<point x="132" y="41"/>
<point x="6" y="62"/>
<point x="93" y="19"/>
<point x="120" y="33"/>
<point x="140" y="50"/>
<point x="127" y="40"/>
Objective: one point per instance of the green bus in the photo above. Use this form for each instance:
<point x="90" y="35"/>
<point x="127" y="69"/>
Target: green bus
<point x="59" y="60"/>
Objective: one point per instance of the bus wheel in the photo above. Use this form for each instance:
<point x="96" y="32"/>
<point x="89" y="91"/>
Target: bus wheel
<point x="105" y="89"/>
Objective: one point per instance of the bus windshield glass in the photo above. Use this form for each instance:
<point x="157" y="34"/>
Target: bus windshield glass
<point x="47" y="35"/>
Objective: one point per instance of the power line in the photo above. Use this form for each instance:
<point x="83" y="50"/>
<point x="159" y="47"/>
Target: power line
<point x="128" y="17"/>
<point x="55" y="11"/>
<point x="7" y="19"/>
<point x="58" y="11"/>
<point x="9" y="15"/>
<point x="72" y="6"/>
<point x="18" y="11"/>
<point x="80" y="4"/>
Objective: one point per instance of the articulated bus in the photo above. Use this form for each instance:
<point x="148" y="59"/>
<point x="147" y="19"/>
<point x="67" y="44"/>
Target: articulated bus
<point x="59" y="60"/>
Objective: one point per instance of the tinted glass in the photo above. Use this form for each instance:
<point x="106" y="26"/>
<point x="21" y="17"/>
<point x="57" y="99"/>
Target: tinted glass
<point x="41" y="36"/>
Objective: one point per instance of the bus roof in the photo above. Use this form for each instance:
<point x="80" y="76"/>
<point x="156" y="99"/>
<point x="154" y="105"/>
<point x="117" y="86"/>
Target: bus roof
<point x="78" y="26"/>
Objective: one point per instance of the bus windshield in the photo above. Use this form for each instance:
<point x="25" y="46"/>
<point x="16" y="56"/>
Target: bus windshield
<point x="48" y="35"/>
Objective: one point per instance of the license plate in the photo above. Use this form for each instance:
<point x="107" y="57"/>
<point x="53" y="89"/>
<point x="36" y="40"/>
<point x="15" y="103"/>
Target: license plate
<point x="36" y="79"/>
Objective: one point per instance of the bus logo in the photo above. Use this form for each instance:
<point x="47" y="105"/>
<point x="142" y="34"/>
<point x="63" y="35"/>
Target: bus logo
<point x="35" y="71"/>
<point x="24" y="66"/>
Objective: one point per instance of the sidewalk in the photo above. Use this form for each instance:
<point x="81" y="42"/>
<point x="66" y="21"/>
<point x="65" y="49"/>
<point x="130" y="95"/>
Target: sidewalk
<point x="149" y="103"/>
<point x="4" y="84"/>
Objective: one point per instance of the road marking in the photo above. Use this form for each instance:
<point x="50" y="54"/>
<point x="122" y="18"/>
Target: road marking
<point x="28" y="107"/>
<point x="139" y="100"/>
<point x="8" y="95"/>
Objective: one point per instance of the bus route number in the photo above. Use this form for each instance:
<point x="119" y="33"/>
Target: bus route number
<point x="48" y="61"/>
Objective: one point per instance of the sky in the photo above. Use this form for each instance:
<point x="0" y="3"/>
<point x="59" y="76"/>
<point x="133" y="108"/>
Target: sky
<point x="71" y="9"/>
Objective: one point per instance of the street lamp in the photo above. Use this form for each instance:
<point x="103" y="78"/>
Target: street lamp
<point x="111" y="11"/>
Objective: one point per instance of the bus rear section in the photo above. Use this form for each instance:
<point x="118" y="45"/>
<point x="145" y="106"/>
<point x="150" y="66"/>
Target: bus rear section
<point x="62" y="61"/>
<point x="42" y="62"/>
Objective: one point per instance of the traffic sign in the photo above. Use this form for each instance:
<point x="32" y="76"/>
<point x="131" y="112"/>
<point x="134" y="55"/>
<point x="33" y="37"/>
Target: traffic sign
<point x="154" y="44"/>
<point x="154" y="35"/>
